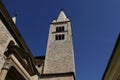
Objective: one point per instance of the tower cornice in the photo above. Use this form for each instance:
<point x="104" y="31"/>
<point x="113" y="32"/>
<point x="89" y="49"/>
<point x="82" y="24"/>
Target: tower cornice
<point x="59" y="22"/>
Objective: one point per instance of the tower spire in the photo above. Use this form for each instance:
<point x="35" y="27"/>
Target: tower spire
<point x="61" y="17"/>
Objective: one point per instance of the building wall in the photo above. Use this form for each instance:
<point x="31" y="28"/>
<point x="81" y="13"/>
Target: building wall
<point x="112" y="71"/>
<point x="59" y="55"/>
<point x="8" y="57"/>
<point x="5" y="38"/>
<point x="59" y="78"/>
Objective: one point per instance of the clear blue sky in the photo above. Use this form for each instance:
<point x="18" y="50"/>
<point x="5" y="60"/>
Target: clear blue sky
<point x="95" y="24"/>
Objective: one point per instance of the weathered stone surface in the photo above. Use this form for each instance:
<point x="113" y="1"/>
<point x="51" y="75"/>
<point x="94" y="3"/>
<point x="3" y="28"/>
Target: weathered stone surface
<point x="2" y="60"/>
<point x="5" y="38"/>
<point x="59" y="55"/>
<point x="112" y="71"/>
<point x="59" y="78"/>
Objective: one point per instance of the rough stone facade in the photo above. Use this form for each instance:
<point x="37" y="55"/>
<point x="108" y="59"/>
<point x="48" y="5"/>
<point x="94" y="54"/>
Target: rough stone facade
<point x="59" y="54"/>
<point x="5" y="38"/>
<point x="15" y="57"/>
<point x="59" y="78"/>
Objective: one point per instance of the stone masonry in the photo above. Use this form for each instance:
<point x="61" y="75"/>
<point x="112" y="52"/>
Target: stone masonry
<point x="59" y="54"/>
<point x="5" y="38"/>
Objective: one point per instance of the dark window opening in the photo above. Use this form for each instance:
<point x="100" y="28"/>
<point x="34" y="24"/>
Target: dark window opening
<point x="60" y="29"/>
<point x="13" y="74"/>
<point x="62" y="36"/>
<point x="59" y="37"/>
<point x="39" y="65"/>
<point x="56" y="37"/>
<point x="57" y="29"/>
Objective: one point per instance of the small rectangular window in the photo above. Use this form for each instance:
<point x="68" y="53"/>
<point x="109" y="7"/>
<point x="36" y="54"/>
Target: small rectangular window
<point x="60" y="29"/>
<point x="62" y="36"/>
<point x="57" y="29"/>
<point x="56" y="37"/>
<point x="59" y="37"/>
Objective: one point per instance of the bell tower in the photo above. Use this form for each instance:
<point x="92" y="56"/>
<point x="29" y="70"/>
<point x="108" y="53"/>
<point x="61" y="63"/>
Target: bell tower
<point x="60" y="55"/>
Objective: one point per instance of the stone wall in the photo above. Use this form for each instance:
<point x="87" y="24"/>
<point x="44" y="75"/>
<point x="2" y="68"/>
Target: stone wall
<point x="59" y="55"/>
<point x="58" y="78"/>
<point x="5" y="38"/>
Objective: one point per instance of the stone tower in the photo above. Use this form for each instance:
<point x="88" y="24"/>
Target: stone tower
<point x="59" y="62"/>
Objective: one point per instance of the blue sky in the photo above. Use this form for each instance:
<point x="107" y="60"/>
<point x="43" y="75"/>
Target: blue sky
<point x="95" y="25"/>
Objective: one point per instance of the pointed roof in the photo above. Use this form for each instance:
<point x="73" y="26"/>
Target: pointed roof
<point x="14" y="19"/>
<point x="62" y="17"/>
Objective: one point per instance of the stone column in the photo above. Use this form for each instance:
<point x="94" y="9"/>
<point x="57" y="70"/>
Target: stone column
<point x="6" y="67"/>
